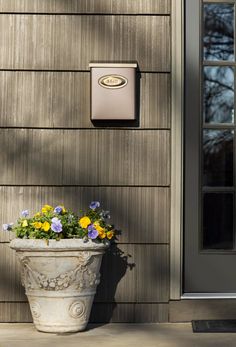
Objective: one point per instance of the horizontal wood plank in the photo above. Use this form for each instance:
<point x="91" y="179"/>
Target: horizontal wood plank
<point x="130" y="273"/>
<point x="155" y="101"/>
<point x="78" y="157"/>
<point x="15" y="312"/>
<point x="101" y="313"/>
<point x="86" y="6"/>
<point x="141" y="213"/>
<point x="49" y="42"/>
<point x="62" y="100"/>
<point x="10" y="288"/>
<point x="188" y="310"/>
<point x="129" y="313"/>
<point x="135" y="273"/>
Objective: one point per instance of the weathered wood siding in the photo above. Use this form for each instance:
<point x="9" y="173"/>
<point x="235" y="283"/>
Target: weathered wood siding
<point x="86" y="6"/>
<point x="52" y="153"/>
<point x="62" y="100"/>
<point x="49" y="42"/>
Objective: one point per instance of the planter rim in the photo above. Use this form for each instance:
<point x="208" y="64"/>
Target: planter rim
<point x="53" y="245"/>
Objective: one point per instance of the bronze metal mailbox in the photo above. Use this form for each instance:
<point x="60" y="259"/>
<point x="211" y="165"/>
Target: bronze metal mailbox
<point x="113" y="91"/>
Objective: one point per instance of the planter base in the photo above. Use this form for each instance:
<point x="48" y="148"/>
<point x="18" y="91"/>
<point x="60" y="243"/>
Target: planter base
<point x="60" y="329"/>
<point x="60" y="314"/>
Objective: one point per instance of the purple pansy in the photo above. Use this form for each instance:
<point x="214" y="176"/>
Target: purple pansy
<point x="56" y="225"/>
<point x="94" y="204"/>
<point x="90" y="227"/>
<point x="7" y="227"/>
<point x="92" y="232"/>
<point x="58" y="209"/>
<point x="25" y="213"/>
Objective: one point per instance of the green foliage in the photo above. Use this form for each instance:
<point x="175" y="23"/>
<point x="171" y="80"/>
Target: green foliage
<point x="58" y="223"/>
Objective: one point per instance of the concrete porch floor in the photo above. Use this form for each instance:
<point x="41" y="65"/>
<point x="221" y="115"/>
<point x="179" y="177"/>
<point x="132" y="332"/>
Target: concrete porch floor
<point x="115" y="335"/>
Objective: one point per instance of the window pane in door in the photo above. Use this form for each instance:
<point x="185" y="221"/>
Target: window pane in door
<point x="218" y="94"/>
<point x="218" y="221"/>
<point x="218" y="157"/>
<point x="218" y="33"/>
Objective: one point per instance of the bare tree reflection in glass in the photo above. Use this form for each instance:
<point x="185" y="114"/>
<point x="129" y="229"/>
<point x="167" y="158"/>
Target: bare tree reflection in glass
<point x="218" y="158"/>
<point x="219" y="32"/>
<point x="218" y="94"/>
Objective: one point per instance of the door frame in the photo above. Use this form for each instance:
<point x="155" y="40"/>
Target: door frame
<point x="177" y="149"/>
<point x="177" y="159"/>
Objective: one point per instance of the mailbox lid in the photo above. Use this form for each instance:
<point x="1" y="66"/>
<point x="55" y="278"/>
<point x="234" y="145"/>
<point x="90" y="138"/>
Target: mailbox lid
<point x="114" y="65"/>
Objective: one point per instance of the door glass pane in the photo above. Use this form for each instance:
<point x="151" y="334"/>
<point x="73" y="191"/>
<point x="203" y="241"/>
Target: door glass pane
<point x="218" y="157"/>
<point x="218" y="94"/>
<point x="218" y="221"/>
<point x="218" y="33"/>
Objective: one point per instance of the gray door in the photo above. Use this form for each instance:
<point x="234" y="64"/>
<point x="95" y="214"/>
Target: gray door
<point x="210" y="148"/>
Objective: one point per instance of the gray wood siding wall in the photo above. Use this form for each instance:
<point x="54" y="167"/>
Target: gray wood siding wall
<point x="52" y="153"/>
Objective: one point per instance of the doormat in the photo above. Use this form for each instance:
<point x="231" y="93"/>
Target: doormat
<point x="214" y="326"/>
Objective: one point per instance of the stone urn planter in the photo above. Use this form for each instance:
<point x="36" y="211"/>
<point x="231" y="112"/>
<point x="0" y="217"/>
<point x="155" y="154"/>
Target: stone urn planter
<point x="60" y="280"/>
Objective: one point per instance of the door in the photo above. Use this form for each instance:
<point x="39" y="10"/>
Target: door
<point x="210" y="149"/>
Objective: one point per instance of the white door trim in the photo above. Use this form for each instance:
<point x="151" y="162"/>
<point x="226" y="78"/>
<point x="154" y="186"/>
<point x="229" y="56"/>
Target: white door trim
<point x="177" y="107"/>
<point x="196" y="296"/>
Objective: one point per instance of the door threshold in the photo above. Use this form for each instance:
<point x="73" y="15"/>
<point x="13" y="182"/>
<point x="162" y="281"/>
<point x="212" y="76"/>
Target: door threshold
<point x="190" y="296"/>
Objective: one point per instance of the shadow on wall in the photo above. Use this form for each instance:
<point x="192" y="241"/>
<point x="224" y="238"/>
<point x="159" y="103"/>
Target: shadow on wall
<point x="114" y="266"/>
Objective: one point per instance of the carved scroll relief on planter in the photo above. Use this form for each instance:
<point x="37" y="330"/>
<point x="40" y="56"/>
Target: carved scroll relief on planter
<point x="81" y="277"/>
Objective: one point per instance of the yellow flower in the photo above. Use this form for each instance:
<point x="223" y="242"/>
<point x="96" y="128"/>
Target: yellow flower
<point x="102" y="234"/>
<point x="63" y="209"/>
<point x="84" y="222"/>
<point x="98" y="227"/>
<point x="37" y="225"/>
<point x="38" y="214"/>
<point x="47" y="208"/>
<point x="110" y="234"/>
<point x="24" y="223"/>
<point x="46" y="226"/>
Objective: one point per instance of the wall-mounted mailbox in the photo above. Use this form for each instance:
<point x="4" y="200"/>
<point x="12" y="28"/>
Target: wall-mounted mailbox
<point x="113" y="91"/>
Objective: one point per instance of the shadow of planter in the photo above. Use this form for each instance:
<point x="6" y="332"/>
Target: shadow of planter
<point x="114" y="266"/>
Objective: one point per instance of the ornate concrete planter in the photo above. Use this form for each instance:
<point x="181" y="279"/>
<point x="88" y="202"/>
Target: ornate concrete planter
<point x="60" y="281"/>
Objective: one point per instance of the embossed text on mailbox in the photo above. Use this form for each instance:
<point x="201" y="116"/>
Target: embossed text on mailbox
<point x="113" y="81"/>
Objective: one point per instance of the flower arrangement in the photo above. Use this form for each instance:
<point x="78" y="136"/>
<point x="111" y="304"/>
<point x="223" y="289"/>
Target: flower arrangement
<point x="59" y="223"/>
